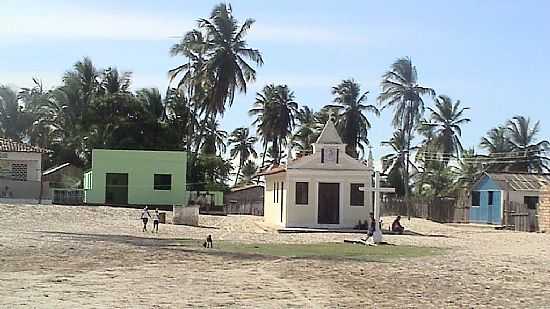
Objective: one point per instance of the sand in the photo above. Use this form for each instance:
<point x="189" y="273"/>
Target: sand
<point x="98" y="257"/>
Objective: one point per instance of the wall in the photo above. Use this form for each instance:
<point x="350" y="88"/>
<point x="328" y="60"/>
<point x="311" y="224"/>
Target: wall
<point x="21" y="189"/>
<point x="544" y="211"/>
<point x="249" y="201"/>
<point x="306" y="215"/>
<point x="32" y="159"/>
<point x="66" y="177"/>
<point x="140" y="167"/>
<point x="272" y="209"/>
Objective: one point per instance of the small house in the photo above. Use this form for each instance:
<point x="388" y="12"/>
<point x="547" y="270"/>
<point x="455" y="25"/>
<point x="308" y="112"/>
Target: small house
<point x="320" y="190"/>
<point x="20" y="170"/>
<point x="246" y="200"/>
<point x="493" y="192"/>
<point x="136" y="177"/>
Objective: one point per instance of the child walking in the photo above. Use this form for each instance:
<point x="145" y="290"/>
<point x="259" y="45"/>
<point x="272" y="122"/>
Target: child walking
<point x="156" y="220"/>
<point x="145" y="218"/>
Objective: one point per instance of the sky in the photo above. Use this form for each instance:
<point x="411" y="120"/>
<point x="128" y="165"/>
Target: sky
<point x="491" y="55"/>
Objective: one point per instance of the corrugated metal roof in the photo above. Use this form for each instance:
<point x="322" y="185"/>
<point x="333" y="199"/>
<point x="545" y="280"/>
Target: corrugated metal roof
<point x="521" y="181"/>
<point x="7" y="145"/>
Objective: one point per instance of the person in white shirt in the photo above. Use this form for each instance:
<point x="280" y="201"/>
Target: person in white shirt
<point x="156" y="220"/>
<point x="145" y="218"/>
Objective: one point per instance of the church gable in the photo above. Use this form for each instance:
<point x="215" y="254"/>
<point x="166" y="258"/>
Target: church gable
<point x="329" y="152"/>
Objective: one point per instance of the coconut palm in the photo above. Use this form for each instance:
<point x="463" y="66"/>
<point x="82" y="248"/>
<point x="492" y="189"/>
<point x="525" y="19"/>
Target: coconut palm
<point x="243" y="146"/>
<point x="213" y="137"/>
<point x="393" y="163"/>
<point x="249" y="171"/>
<point x="523" y="139"/>
<point x="14" y="120"/>
<point x="402" y="91"/>
<point x="354" y="124"/>
<point x="499" y="147"/>
<point x="275" y="111"/>
<point x="468" y="169"/>
<point x="446" y="118"/>
<point x="304" y="137"/>
<point x="222" y="42"/>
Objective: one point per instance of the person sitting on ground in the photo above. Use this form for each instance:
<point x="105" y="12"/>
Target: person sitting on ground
<point x="145" y="218"/>
<point x="372" y="227"/>
<point x="396" y="226"/>
<point x="156" y="220"/>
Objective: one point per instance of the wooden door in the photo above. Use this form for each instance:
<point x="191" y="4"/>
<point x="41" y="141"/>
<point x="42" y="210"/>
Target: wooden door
<point x="328" y="203"/>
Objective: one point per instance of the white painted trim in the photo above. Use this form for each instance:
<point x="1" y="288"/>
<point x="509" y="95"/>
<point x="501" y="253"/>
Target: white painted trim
<point x="501" y="206"/>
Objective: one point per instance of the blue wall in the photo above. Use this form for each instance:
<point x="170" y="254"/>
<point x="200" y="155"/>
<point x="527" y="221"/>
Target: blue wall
<point x="486" y="213"/>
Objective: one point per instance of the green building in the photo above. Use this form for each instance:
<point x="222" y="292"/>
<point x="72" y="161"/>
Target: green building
<point x="136" y="177"/>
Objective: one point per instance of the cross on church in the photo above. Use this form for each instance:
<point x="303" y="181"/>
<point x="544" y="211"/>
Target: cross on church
<point x="377" y="235"/>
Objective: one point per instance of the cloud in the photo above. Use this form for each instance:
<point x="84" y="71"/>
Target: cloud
<point x="66" y="23"/>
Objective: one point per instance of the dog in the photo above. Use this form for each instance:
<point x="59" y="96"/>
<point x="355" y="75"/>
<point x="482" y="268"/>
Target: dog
<point x="208" y="243"/>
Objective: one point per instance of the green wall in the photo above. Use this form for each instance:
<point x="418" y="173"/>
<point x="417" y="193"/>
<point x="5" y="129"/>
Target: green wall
<point x="140" y="166"/>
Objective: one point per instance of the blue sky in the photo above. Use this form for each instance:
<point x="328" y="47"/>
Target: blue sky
<point x="488" y="54"/>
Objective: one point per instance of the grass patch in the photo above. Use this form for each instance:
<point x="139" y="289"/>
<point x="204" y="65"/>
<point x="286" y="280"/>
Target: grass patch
<point x="330" y="250"/>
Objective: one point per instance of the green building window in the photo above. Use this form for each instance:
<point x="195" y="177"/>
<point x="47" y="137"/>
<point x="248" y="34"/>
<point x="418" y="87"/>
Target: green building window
<point x="163" y="182"/>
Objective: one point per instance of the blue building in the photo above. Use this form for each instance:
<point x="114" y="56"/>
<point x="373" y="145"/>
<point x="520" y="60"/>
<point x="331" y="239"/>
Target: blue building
<point x="493" y="191"/>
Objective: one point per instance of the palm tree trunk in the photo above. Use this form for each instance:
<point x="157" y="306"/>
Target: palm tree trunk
<point x="238" y="172"/>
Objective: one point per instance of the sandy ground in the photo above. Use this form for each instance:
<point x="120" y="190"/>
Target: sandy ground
<point x="98" y="257"/>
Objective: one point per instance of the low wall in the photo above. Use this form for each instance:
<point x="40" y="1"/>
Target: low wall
<point x="443" y="210"/>
<point x="23" y="189"/>
<point x="186" y="215"/>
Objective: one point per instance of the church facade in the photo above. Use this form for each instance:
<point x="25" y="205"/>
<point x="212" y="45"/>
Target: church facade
<point x="321" y="190"/>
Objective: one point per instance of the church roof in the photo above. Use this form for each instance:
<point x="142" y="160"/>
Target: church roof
<point x="274" y="169"/>
<point x="329" y="135"/>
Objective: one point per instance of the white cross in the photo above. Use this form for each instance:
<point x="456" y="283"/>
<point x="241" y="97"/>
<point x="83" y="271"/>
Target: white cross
<point x="377" y="236"/>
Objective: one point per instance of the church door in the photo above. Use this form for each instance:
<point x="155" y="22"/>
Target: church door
<point x="328" y="203"/>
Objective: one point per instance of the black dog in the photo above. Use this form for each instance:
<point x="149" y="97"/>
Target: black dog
<point x="208" y="242"/>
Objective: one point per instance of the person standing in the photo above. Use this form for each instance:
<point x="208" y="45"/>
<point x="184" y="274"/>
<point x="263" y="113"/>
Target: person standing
<point x="145" y="218"/>
<point x="156" y="220"/>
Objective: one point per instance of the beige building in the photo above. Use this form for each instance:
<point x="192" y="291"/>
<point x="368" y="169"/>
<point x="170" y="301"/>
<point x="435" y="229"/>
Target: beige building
<point x="321" y="190"/>
<point x="20" y="170"/>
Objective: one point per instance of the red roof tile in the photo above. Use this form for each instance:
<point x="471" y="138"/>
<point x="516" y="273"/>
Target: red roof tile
<point x="7" y="145"/>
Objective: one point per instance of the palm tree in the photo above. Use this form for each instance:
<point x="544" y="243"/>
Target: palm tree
<point x="446" y="118"/>
<point x="499" y="147"/>
<point x="355" y="125"/>
<point x="182" y="120"/>
<point x="522" y="136"/>
<point x="243" y="146"/>
<point x="249" y="171"/>
<point x="304" y="137"/>
<point x="393" y="163"/>
<point x="213" y="137"/>
<point x="218" y="51"/>
<point x="275" y="111"/>
<point x="402" y="91"/>
<point x="14" y="120"/>
<point x="468" y="169"/>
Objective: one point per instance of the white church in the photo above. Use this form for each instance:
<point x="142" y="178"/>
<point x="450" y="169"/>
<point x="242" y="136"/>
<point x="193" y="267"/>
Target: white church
<point x="320" y="190"/>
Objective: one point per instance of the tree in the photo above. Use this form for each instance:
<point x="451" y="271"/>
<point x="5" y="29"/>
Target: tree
<point x="213" y="137"/>
<point x="275" y="111"/>
<point x="468" y="169"/>
<point x="243" y="146"/>
<point x="393" y="164"/>
<point x="14" y="120"/>
<point x="304" y="137"/>
<point x="218" y="52"/>
<point x="401" y="90"/>
<point x="249" y="171"/>
<point x="446" y="118"/>
<point x="530" y="154"/>
<point x="354" y="124"/>
<point x="499" y="147"/>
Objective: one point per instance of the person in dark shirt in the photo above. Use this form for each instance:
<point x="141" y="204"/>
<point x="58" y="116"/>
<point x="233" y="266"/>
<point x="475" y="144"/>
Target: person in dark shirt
<point x="372" y="227"/>
<point x="396" y="226"/>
